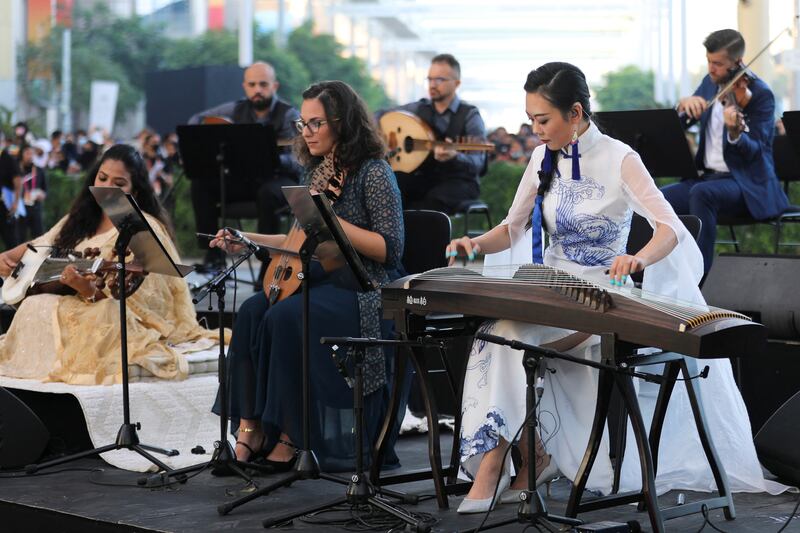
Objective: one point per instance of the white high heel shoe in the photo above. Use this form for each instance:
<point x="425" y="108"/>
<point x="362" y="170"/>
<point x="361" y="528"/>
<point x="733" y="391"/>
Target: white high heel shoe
<point x="545" y="476"/>
<point x="469" y="506"/>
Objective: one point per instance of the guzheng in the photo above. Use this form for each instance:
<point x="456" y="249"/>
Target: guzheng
<point x="543" y="295"/>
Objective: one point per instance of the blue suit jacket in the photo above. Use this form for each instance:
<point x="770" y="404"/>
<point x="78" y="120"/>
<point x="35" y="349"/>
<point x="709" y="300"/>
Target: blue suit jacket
<point x="749" y="159"/>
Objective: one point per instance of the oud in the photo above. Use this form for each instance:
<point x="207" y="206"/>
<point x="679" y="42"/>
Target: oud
<point x="411" y="140"/>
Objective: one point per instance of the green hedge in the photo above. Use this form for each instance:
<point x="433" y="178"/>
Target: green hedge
<point x="497" y="190"/>
<point x="500" y="184"/>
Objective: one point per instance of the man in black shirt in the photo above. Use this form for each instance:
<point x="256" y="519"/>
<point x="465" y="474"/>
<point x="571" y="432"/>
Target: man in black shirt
<point x="261" y="105"/>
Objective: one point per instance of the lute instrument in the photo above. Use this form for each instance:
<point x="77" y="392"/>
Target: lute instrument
<point x="38" y="272"/>
<point x="282" y="277"/>
<point x="410" y="141"/>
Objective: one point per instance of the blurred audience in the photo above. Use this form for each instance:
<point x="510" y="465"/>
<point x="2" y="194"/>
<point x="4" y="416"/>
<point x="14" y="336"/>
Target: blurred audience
<point x="34" y="191"/>
<point x="515" y="149"/>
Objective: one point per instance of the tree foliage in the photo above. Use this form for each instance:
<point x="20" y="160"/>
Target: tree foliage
<point x="322" y="56"/>
<point x="105" y="47"/>
<point x="626" y="89"/>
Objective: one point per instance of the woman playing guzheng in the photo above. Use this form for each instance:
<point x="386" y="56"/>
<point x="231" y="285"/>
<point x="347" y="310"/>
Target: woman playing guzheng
<point x="582" y="187"/>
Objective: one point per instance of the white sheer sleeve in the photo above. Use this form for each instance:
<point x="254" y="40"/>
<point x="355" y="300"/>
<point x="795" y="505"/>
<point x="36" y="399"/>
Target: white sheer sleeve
<point x="679" y="273"/>
<point x="520" y="211"/>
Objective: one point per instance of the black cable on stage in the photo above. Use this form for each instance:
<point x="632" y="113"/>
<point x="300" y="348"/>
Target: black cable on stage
<point x="359" y="518"/>
<point x="791" y="516"/>
<point x="707" y="520"/>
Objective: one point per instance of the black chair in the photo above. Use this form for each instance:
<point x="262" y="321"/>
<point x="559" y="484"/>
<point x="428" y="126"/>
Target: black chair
<point x="641" y="233"/>
<point x="787" y="168"/>
<point x="427" y="235"/>
<point x="474" y="208"/>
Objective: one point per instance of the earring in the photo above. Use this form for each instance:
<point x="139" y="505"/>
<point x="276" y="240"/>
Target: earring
<point x="574" y="136"/>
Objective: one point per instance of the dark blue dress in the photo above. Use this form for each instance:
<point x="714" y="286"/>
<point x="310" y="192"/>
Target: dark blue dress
<point x="265" y="351"/>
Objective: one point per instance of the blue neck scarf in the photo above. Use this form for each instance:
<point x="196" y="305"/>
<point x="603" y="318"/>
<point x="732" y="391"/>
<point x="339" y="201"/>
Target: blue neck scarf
<point x="536" y="217"/>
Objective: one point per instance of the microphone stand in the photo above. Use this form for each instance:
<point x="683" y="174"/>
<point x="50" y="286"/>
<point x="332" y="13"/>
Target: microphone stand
<point x="360" y="491"/>
<point x="224" y="455"/>
<point x="532" y="508"/>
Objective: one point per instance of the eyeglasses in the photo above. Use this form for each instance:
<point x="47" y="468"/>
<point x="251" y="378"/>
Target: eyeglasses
<point x="313" y="125"/>
<point x="437" y="80"/>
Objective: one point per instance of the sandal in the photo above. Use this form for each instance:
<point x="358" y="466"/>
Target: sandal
<point x="255" y="457"/>
<point x="282" y="466"/>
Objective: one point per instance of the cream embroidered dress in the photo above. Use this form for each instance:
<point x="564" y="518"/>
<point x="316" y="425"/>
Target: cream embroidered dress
<point x="63" y="338"/>
<point x="588" y="222"/>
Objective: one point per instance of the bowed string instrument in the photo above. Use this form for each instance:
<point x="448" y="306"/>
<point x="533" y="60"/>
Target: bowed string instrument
<point x="735" y="92"/>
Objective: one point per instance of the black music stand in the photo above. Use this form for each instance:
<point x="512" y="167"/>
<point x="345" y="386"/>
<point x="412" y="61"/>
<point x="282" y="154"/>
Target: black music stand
<point x="137" y="235"/>
<point x="215" y="153"/>
<point x="224" y="456"/>
<point x="327" y="241"/>
<point x="656" y="135"/>
<point x="791" y="121"/>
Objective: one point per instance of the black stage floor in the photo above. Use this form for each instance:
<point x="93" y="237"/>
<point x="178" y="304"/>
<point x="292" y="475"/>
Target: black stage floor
<point x="91" y="496"/>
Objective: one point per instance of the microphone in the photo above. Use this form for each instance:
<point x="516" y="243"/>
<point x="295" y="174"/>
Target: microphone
<point x="244" y="240"/>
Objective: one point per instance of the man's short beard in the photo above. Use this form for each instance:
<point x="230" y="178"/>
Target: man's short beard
<point x="260" y="104"/>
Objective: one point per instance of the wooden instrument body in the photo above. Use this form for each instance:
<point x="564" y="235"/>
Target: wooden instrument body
<point x="714" y="335"/>
<point x="410" y="141"/>
<point x="37" y="273"/>
<point x="281" y="279"/>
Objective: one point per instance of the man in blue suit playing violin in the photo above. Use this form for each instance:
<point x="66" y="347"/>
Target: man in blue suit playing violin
<point x="735" y="149"/>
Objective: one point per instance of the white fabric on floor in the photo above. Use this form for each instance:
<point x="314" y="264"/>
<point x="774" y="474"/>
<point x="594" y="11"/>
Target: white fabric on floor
<point x="173" y="414"/>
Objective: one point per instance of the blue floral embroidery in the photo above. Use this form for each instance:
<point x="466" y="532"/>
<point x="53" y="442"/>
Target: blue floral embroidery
<point x="485" y="438"/>
<point x="585" y="239"/>
<point x="476" y="362"/>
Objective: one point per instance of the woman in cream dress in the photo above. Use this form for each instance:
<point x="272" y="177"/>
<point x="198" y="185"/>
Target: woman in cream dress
<point x="76" y="338"/>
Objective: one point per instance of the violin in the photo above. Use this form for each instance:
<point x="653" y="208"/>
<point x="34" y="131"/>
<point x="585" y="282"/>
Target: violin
<point x="734" y="93"/>
<point x="740" y="77"/>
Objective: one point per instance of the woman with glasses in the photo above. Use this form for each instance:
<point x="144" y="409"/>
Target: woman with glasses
<point x="265" y="353"/>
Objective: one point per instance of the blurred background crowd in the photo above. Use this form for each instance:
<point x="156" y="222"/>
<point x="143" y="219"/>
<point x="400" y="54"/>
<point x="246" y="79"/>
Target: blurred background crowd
<point x="24" y="155"/>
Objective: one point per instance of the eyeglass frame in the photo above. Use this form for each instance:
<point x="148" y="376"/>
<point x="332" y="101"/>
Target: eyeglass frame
<point x="438" y="80"/>
<point x="301" y="124"/>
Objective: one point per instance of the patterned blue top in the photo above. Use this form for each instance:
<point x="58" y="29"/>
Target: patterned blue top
<point x="370" y="199"/>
